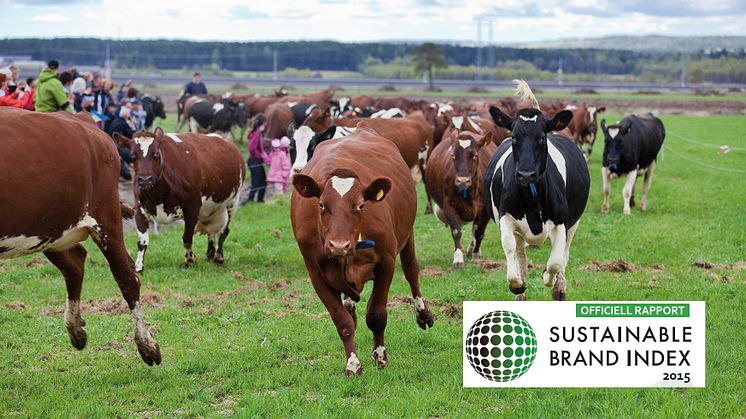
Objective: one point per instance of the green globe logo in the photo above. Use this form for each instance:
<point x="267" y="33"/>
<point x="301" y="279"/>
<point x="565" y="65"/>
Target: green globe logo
<point x="501" y="346"/>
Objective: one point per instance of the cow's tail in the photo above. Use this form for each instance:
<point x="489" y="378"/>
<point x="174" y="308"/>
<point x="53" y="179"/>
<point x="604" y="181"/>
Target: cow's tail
<point x="523" y="91"/>
<point x="127" y="212"/>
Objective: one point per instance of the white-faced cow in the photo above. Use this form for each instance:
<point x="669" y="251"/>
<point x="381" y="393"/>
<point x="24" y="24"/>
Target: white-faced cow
<point x="455" y="170"/>
<point x="536" y="188"/>
<point x="188" y="176"/>
<point x="352" y="213"/>
<point x="75" y="196"/>
<point x="630" y="150"/>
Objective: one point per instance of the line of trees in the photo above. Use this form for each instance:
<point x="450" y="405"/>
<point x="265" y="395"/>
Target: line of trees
<point x="373" y="59"/>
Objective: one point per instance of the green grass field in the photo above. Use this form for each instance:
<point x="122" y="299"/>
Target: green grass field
<point x="251" y="338"/>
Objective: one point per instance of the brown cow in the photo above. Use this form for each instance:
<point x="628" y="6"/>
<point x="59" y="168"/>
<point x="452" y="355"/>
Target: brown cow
<point x="454" y="179"/>
<point x="279" y="118"/>
<point x="189" y="176"/>
<point x="583" y="127"/>
<point x="60" y="185"/>
<point x="352" y="212"/>
<point x="362" y="101"/>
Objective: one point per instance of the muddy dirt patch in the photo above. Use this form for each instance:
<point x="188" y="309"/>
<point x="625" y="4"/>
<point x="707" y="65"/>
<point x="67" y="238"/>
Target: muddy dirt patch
<point x="112" y="306"/>
<point x="619" y="265"/>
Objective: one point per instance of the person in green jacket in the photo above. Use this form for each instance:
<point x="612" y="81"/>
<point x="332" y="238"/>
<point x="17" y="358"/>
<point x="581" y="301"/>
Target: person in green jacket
<point x="50" y="95"/>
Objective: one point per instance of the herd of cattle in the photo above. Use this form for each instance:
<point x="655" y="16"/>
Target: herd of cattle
<point x="520" y="163"/>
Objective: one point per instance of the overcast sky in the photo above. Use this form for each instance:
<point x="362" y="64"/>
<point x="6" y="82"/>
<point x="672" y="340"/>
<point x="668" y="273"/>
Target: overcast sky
<point x="440" y="20"/>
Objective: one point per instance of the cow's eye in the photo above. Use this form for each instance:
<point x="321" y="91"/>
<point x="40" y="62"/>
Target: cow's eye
<point x="321" y="206"/>
<point x="542" y="140"/>
<point x="360" y="207"/>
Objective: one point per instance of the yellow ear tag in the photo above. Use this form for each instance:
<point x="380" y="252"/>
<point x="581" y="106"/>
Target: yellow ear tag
<point x="360" y="237"/>
<point x="379" y="195"/>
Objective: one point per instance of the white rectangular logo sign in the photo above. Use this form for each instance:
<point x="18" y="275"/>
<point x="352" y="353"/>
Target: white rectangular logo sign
<point x="584" y="344"/>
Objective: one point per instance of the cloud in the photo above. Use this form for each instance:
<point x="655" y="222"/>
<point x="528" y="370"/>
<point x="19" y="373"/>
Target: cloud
<point x="51" y="2"/>
<point x="50" y="17"/>
<point x="244" y="13"/>
<point x="664" y="8"/>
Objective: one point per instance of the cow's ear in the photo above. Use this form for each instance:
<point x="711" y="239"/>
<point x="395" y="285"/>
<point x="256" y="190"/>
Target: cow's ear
<point x="327" y="135"/>
<point x="601" y="109"/>
<point x="122" y="141"/>
<point x="560" y="121"/>
<point x="603" y="126"/>
<point x="378" y="189"/>
<point x="500" y="118"/>
<point x="306" y="186"/>
<point x="483" y="140"/>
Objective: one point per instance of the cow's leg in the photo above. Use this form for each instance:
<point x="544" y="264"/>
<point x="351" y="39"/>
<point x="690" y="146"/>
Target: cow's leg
<point x="376" y="314"/>
<point x="190" y="223"/>
<point x="475" y="247"/>
<point x="142" y="240"/>
<point x="629" y="186"/>
<point x="211" y="248"/>
<point x="219" y="258"/>
<point x="342" y="320"/>
<point x="193" y="125"/>
<point x="520" y="251"/>
<point x="606" y="176"/>
<point x="515" y="282"/>
<point x="129" y="284"/>
<point x="422" y="162"/>
<point x="556" y="262"/>
<point x="411" y="268"/>
<point x="559" y="291"/>
<point x="455" y="226"/>
<point x="646" y="186"/>
<point x="349" y="305"/>
<point x="71" y="263"/>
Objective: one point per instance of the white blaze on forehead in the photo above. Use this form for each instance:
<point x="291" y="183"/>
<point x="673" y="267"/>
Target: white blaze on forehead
<point x="217" y="107"/>
<point x="174" y="137"/>
<point x="144" y="143"/>
<point x="527" y="119"/>
<point x="613" y="132"/>
<point x="457" y="121"/>
<point x="464" y="143"/>
<point x="342" y="185"/>
<point x="343" y="102"/>
<point x="571" y="107"/>
<point x="592" y="112"/>
<point x="444" y="108"/>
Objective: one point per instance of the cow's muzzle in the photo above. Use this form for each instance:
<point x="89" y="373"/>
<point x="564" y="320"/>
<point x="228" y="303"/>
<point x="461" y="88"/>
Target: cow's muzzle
<point x="526" y="178"/>
<point x="145" y="182"/>
<point x="462" y="182"/>
<point x="339" y="249"/>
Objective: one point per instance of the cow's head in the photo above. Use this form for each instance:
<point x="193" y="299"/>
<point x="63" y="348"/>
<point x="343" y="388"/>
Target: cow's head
<point x="465" y="148"/>
<point x="529" y="129"/>
<point x="318" y="119"/>
<point x="145" y="148"/>
<point x="613" y="141"/>
<point x="303" y="142"/>
<point x="342" y="200"/>
<point x="158" y="109"/>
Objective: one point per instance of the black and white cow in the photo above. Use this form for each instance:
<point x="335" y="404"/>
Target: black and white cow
<point x="301" y="111"/>
<point x="536" y="187"/>
<point x="631" y="148"/>
<point x="208" y="117"/>
<point x="153" y="107"/>
<point x="337" y="108"/>
<point x="303" y="142"/>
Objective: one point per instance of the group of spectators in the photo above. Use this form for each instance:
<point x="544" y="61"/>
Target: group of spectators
<point x="72" y="91"/>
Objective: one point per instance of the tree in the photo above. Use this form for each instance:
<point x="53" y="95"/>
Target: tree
<point x="426" y="57"/>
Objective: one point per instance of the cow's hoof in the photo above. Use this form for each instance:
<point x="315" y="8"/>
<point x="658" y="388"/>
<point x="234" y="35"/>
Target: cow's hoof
<point x="425" y="318"/>
<point x="353" y="367"/>
<point x="520" y="297"/>
<point x="559" y="295"/>
<point x="139" y="271"/>
<point x="380" y="357"/>
<point x="218" y="259"/>
<point x="643" y="207"/>
<point x="627" y="212"/>
<point x="458" y="265"/>
<point x="78" y="336"/>
<point x="428" y="211"/>
<point x="189" y="263"/>
<point x="604" y="209"/>
<point x="150" y="352"/>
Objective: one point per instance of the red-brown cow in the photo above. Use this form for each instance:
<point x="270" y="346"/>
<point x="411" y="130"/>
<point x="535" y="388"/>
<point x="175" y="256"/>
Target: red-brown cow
<point x="583" y="127"/>
<point x="60" y="177"/>
<point x="279" y="117"/>
<point x="352" y="212"/>
<point x="189" y="176"/>
<point x="454" y="179"/>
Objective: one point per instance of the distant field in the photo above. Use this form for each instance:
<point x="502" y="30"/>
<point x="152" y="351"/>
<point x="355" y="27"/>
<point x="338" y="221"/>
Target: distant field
<point x="252" y="339"/>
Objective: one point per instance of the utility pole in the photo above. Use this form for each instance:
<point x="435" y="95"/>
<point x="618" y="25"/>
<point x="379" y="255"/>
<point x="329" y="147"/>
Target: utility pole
<point x="274" y="64"/>
<point x="107" y="62"/>
<point x="683" y="72"/>
<point x="479" y="48"/>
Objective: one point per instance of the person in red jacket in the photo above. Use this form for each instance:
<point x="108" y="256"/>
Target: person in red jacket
<point x="12" y="99"/>
<point x="257" y="158"/>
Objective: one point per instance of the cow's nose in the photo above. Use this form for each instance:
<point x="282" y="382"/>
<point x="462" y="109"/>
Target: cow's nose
<point x="297" y="169"/>
<point x="145" y="180"/>
<point x="527" y="177"/>
<point x="463" y="181"/>
<point x="339" y="248"/>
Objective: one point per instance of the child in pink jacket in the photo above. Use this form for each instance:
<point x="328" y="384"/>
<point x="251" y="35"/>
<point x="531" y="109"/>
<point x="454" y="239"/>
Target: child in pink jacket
<point x="279" y="165"/>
